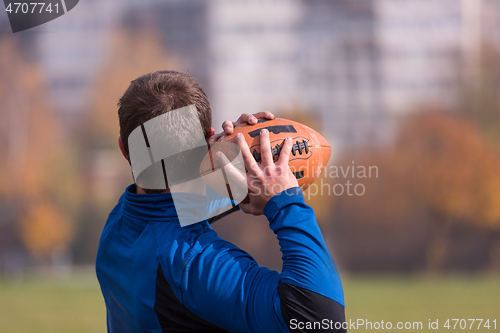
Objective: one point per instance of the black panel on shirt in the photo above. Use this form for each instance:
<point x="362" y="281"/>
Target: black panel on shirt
<point x="226" y="213"/>
<point x="305" y="306"/>
<point x="173" y="315"/>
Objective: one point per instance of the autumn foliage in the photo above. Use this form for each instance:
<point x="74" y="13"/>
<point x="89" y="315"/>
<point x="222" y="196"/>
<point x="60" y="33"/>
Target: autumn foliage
<point x="452" y="167"/>
<point x="31" y="152"/>
<point x="439" y="177"/>
<point x="45" y="230"/>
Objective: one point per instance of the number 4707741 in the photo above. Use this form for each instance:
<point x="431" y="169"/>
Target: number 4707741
<point x="32" y="8"/>
<point x="470" y="324"/>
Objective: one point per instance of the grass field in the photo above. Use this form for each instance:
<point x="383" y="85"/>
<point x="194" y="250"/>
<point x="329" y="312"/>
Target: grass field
<point x="43" y="305"/>
<point x="398" y="299"/>
<point x="75" y="305"/>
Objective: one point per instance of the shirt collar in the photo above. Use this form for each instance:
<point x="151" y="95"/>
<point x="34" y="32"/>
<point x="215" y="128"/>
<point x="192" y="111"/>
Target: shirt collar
<point x="159" y="207"/>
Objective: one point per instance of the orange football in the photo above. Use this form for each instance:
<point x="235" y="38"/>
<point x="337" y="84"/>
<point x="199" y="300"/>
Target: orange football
<point x="309" y="156"/>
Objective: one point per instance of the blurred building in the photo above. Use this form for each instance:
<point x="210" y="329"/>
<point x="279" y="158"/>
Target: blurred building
<point x="184" y="28"/>
<point x="357" y="66"/>
<point x="254" y="52"/>
<point x="340" y="72"/>
<point x="71" y="50"/>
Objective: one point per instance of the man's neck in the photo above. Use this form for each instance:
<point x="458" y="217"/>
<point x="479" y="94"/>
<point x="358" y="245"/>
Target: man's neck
<point x="195" y="186"/>
<point x="140" y="190"/>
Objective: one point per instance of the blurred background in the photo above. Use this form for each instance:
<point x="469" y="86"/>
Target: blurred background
<point x="409" y="90"/>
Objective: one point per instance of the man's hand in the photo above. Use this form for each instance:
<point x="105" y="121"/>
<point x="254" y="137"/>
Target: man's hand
<point x="250" y="119"/>
<point x="265" y="180"/>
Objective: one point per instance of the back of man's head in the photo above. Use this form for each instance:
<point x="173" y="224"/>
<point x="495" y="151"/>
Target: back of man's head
<point x="156" y="93"/>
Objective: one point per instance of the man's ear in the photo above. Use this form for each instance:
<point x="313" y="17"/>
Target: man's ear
<point x="210" y="133"/>
<point x="120" y="144"/>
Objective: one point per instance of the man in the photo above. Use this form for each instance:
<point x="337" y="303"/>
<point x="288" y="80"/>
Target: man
<point x="157" y="276"/>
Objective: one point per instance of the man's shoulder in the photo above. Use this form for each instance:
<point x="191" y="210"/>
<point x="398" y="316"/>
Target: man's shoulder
<point x="118" y="207"/>
<point x="182" y="242"/>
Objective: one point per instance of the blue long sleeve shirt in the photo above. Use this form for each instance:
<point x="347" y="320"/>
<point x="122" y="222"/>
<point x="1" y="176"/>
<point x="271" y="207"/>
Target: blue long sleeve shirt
<point x="157" y="276"/>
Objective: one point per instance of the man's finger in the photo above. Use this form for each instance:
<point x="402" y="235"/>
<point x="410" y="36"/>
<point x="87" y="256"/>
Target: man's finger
<point x="231" y="170"/>
<point x="228" y="127"/>
<point x="214" y="137"/>
<point x="247" y="118"/>
<point x="246" y="207"/>
<point x="264" y="115"/>
<point x="250" y="163"/>
<point x="285" y="152"/>
<point x="265" y="149"/>
<point x="211" y="132"/>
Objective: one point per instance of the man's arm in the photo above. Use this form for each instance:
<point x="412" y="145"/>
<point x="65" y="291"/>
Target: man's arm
<point x="225" y="286"/>
<point x="310" y="289"/>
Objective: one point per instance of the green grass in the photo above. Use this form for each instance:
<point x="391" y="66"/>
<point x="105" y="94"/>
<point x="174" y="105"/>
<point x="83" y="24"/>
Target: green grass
<point x="45" y="305"/>
<point x="412" y="299"/>
<point x="75" y="304"/>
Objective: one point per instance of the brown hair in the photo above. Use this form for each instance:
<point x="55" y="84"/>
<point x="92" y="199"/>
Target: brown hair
<point x="156" y="93"/>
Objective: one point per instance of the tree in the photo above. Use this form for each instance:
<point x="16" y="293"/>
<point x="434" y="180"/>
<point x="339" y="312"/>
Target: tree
<point x="385" y="228"/>
<point x="45" y="230"/>
<point x="479" y="99"/>
<point x="30" y="152"/>
<point x="439" y="175"/>
<point x="480" y="103"/>
<point x="455" y="173"/>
